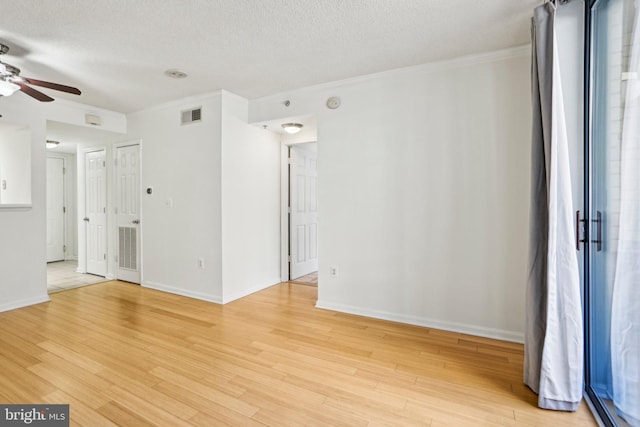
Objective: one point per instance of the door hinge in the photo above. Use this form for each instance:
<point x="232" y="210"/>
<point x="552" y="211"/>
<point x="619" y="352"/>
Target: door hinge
<point x="64" y="171"/>
<point x="104" y="163"/>
<point x="290" y="161"/>
<point x="104" y="210"/>
<point x="64" y="209"/>
<point x="288" y="209"/>
<point x="105" y="257"/>
<point x="64" y="248"/>
<point x="289" y="258"/>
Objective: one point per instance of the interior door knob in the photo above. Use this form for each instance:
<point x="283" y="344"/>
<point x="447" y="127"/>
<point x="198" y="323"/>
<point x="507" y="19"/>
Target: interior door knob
<point x="86" y="218"/>
<point x="136" y="221"/>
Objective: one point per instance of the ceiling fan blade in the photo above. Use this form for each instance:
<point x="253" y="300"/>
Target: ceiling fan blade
<point x="55" y="86"/>
<point x="34" y="93"/>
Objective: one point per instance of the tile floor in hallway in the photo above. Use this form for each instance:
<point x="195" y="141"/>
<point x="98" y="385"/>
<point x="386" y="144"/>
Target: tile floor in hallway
<point x="309" y="279"/>
<point x="62" y="275"/>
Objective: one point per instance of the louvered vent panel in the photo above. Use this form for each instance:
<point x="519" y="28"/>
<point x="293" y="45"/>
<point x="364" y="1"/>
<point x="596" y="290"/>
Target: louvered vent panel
<point x="128" y="248"/>
<point x="191" y="116"/>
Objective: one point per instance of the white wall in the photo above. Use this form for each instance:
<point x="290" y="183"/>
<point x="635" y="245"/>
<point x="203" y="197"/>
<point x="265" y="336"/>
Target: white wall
<point x="424" y="192"/>
<point x="23" y="251"/>
<point x="250" y="202"/>
<point x="15" y="166"/>
<point x="181" y="163"/>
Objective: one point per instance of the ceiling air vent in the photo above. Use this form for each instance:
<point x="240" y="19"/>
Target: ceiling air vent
<point x="191" y="116"/>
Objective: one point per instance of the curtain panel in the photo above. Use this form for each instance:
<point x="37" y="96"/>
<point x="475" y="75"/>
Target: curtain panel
<point x="553" y="331"/>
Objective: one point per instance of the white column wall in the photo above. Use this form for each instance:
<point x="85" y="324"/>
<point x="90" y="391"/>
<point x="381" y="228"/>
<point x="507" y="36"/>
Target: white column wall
<point x="181" y="219"/>
<point x="250" y="202"/>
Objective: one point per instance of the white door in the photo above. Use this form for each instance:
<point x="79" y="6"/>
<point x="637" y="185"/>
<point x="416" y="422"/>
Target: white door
<point x="96" y="212"/>
<point x="128" y="213"/>
<point x="55" y="209"/>
<point x="303" y="225"/>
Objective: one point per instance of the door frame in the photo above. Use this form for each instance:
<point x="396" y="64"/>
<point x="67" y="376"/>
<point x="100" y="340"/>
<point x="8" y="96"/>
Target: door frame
<point x="285" y="187"/>
<point x="116" y="193"/>
<point x="598" y="407"/>
<point x="81" y="209"/>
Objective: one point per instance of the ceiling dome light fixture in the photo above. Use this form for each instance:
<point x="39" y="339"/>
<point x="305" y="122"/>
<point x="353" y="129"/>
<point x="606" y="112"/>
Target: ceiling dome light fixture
<point x="175" y="74"/>
<point x="52" y="144"/>
<point x="292" y="128"/>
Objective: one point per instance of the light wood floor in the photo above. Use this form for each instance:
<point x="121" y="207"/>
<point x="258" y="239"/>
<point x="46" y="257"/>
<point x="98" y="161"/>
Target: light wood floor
<point x="124" y="355"/>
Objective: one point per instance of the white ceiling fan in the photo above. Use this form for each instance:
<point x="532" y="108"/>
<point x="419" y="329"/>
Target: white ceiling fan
<point x="11" y="81"/>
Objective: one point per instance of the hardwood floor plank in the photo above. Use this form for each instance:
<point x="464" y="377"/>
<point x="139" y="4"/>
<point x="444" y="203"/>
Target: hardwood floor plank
<point x="210" y="413"/>
<point x="22" y="385"/>
<point x="230" y="401"/>
<point x="121" y="354"/>
<point x="122" y="416"/>
<point x="80" y="413"/>
<point x="146" y="410"/>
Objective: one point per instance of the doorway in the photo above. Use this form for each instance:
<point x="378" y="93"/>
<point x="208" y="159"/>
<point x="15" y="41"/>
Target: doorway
<point x="612" y="377"/>
<point x="96" y="212"/>
<point x="303" y="213"/>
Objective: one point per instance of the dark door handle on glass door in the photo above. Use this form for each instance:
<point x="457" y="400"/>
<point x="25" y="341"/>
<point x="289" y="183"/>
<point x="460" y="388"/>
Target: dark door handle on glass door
<point x="598" y="223"/>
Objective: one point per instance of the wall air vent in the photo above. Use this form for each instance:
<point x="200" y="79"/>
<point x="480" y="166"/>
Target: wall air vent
<point x="127" y="248"/>
<point x="191" y="116"/>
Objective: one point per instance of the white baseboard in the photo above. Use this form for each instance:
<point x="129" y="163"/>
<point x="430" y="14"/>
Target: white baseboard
<point x="183" y="292"/>
<point x="24" y="303"/>
<point x="425" y="322"/>
<point x="237" y="295"/>
<point x="110" y="277"/>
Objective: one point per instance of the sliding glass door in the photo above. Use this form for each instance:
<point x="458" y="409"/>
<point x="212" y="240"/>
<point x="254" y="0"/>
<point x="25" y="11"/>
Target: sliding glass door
<point x="612" y="223"/>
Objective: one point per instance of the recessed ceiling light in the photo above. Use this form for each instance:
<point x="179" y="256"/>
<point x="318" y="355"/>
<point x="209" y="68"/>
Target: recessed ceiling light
<point x="175" y="74"/>
<point x="292" y="127"/>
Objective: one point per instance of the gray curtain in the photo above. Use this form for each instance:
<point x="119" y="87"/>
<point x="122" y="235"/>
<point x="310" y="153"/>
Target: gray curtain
<point x="553" y="331"/>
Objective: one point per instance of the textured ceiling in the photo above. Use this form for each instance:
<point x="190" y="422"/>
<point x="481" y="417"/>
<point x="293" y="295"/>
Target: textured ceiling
<point x="116" y="51"/>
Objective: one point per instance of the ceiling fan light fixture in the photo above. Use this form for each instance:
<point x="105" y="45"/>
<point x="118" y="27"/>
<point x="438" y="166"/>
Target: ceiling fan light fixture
<point x="292" y="128"/>
<point x="52" y="144"/>
<point x="8" y="88"/>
